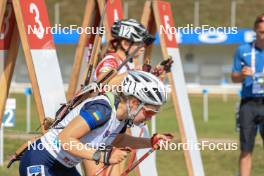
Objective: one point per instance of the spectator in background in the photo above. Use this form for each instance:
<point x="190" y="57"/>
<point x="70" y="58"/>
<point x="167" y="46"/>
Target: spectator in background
<point x="248" y="69"/>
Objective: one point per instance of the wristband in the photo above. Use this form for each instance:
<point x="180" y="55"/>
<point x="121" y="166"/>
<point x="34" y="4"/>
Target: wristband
<point x="97" y="156"/>
<point x="107" y="154"/>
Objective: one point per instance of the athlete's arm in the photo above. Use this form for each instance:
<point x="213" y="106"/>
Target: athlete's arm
<point x="105" y="66"/>
<point x="69" y="139"/>
<point x="238" y="77"/>
<point x="92" y="115"/>
<point x="240" y="70"/>
<point x="125" y="140"/>
<point x="70" y="135"/>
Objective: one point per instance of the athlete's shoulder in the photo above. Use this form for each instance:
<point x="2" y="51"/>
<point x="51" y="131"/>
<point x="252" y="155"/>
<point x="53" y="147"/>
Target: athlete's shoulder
<point x="96" y="112"/>
<point x="110" y="60"/>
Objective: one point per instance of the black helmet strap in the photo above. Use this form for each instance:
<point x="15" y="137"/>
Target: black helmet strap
<point x="127" y="50"/>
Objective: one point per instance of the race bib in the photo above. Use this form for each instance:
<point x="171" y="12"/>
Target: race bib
<point x="36" y="170"/>
<point x="258" y="83"/>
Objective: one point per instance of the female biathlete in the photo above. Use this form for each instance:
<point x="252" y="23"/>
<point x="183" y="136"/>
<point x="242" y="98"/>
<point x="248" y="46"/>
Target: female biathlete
<point x="128" y="35"/>
<point x="94" y="130"/>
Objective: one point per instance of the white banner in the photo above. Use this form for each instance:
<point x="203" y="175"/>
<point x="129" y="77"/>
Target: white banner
<point x="148" y="166"/>
<point x="49" y="80"/>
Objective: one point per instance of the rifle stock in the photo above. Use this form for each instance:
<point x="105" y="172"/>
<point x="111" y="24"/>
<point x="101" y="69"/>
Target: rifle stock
<point x="21" y="150"/>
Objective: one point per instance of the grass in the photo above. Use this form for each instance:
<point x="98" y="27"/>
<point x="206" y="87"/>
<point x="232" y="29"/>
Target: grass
<point x="221" y="125"/>
<point x="221" y="117"/>
<point x="20" y="120"/>
<point x="10" y="145"/>
<point x="216" y="163"/>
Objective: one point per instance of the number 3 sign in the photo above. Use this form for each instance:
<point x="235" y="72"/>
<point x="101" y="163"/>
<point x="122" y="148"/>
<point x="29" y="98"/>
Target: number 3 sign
<point x="37" y="24"/>
<point x="31" y="19"/>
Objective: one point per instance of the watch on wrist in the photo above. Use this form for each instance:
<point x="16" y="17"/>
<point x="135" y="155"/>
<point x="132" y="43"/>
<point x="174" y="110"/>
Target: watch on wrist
<point x="97" y="156"/>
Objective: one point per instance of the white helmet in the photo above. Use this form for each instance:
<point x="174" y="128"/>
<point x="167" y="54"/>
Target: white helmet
<point x="145" y="87"/>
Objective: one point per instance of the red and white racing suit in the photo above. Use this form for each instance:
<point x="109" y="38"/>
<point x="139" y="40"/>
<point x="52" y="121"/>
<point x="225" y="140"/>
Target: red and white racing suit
<point x="112" y="61"/>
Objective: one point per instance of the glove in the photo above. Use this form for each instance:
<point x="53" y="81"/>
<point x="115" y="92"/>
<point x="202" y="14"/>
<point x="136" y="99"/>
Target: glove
<point x="157" y="139"/>
<point x="157" y="71"/>
<point x="161" y="67"/>
<point x="167" y="64"/>
<point x="146" y="67"/>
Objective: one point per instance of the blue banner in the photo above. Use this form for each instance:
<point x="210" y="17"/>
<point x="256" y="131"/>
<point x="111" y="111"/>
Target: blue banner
<point x="184" y="37"/>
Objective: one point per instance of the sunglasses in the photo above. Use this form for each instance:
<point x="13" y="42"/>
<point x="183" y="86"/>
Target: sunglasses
<point x="148" y="112"/>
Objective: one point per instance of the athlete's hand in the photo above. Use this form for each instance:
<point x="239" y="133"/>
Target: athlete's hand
<point x="158" y="139"/>
<point x="246" y="71"/>
<point x="118" y="155"/>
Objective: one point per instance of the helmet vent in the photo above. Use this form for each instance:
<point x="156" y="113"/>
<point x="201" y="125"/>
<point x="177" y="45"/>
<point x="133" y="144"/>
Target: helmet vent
<point x="135" y="78"/>
<point x="145" y="78"/>
<point x="158" y="93"/>
<point x="150" y="95"/>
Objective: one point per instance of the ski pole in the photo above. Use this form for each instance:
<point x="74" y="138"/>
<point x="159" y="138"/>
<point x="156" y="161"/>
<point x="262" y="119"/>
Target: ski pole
<point x="134" y="152"/>
<point x="135" y="164"/>
<point x="101" y="170"/>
